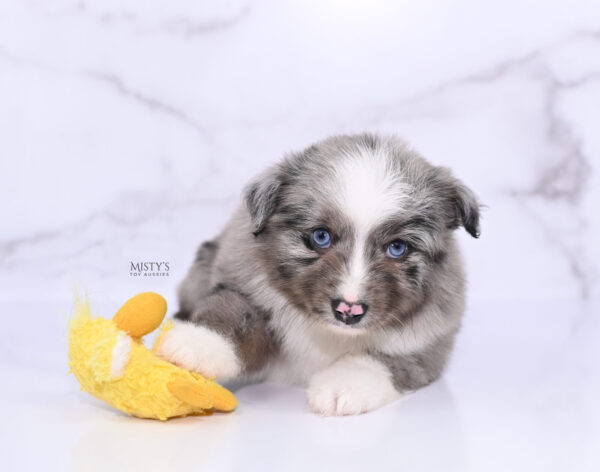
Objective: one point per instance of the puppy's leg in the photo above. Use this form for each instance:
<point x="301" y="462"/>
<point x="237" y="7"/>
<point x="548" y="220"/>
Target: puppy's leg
<point x="360" y="383"/>
<point x="351" y="385"/>
<point x="224" y="337"/>
<point x="418" y="369"/>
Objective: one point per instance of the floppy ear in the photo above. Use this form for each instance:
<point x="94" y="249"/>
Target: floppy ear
<point x="462" y="204"/>
<point x="466" y="207"/>
<point x="262" y="197"/>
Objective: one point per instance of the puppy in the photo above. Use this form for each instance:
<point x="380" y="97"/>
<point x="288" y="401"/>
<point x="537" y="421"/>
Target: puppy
<point x="340" y="272"/>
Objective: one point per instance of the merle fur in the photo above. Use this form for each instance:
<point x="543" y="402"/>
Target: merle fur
<point x="263" y="263"/>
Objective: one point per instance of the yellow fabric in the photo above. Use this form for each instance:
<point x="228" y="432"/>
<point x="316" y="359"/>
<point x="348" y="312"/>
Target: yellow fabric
<point x="168" y="324"/>
<point x="141" y="314"/>
<point x="101" y="352"/>
<point x="189" y="393"/>
<point x="143" y="388"/>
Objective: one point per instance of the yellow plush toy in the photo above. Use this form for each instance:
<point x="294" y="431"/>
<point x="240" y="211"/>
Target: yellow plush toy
<point x="111" y="362"/>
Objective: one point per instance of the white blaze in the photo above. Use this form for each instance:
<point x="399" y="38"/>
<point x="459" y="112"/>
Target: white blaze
<point x="367" y="192"/>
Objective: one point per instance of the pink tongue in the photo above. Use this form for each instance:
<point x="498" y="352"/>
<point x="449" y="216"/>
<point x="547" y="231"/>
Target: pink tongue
<point x="353" y="309"/>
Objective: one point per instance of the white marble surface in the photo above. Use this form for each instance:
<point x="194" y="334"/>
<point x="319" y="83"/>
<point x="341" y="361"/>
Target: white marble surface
<point x="127" y="129"/>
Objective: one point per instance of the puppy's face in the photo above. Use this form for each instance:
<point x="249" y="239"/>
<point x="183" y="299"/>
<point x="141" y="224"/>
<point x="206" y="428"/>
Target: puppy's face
<point x="355" y="231"/>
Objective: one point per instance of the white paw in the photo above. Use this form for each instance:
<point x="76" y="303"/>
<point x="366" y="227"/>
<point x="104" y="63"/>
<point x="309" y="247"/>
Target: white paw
<point x="350" y="386"/>
<point x="200" y="349"/>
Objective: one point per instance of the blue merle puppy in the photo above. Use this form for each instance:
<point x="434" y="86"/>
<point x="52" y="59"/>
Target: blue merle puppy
<point x="340" y="271"/>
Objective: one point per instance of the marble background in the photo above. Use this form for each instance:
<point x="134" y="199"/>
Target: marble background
<point x="128" y="128"/>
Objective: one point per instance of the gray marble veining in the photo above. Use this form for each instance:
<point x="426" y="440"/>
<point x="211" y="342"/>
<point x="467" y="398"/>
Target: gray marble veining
<point x="129" y="130"/>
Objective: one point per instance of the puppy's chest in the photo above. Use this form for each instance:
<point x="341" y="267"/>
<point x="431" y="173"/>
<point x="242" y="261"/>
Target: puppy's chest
<point x="306" y="348"/>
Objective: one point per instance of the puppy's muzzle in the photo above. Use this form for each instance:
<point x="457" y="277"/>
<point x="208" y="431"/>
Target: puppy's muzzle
<point x="348" y="313"/>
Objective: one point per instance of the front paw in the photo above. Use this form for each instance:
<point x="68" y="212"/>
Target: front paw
<point x="352" y="385"/>
<point x="199" y="349"/>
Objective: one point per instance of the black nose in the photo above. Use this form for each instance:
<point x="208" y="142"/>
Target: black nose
<point x="348" y="313"/>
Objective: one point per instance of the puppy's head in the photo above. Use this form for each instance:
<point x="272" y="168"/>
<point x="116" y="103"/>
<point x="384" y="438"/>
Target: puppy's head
<point x="356" y="230"/>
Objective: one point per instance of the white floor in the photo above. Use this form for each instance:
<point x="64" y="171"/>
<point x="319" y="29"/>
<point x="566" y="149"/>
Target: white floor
<point x="521" y="394"/>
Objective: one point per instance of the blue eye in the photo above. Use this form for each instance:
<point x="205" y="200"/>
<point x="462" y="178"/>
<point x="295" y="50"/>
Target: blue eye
<point x="321" y="238"/>
<point x="396" y="249"/>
